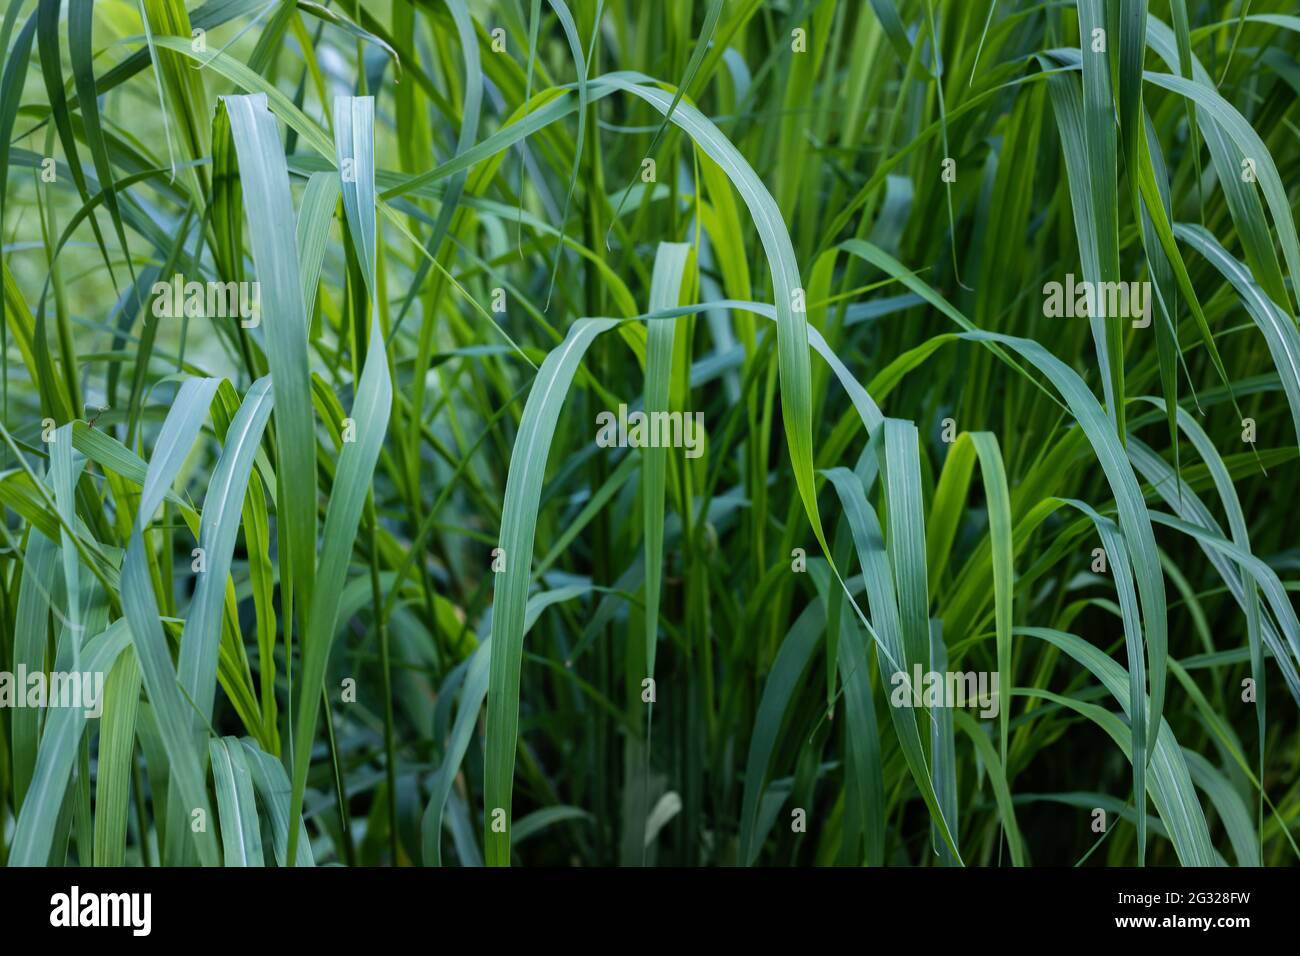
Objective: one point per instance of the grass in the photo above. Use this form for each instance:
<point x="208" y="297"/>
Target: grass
<point x="363" y="586"/>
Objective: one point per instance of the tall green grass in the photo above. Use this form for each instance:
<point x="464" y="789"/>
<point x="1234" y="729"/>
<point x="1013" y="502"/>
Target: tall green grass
<point x="364" y="587"/>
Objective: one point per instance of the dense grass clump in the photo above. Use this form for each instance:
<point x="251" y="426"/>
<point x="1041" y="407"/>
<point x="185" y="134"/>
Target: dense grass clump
<point x="605" y="432"/>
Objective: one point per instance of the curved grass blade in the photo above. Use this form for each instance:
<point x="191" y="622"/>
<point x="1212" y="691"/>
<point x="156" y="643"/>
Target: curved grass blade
<point x="174" y="713"/>
<point x="268" y="209"/>
<point x="1113" y="544"/>
<point x="273" y="787"/>
<point x="222" y="510"/>
<point x="888" y="634"/>
<point x="354" y="128"/>
<point x="241" y="833"/>
<point x="34" y="832"/>
<point x="1170" y="783"/>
